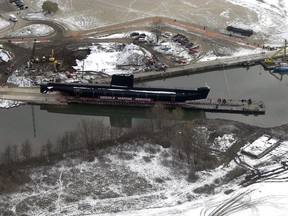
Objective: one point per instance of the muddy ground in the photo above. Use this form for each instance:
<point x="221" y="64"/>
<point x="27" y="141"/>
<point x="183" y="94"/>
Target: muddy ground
<point x="66" y="50"/>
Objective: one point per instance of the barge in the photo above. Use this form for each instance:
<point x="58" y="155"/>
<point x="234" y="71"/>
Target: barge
<point x="121" y="89"/>
<point x="121" y="92"/>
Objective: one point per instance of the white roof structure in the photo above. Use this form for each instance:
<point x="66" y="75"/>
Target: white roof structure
<point x="261" y="146"/>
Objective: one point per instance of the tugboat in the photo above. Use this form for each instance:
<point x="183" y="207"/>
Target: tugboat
<point x="282" y="66"/>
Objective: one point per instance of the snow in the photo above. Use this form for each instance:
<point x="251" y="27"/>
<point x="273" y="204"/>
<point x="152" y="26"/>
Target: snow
<point x="264" y="198"/>
<point x="5" y="104"/>
<point x="272" y="16"/>
<point x="146" y="179"/>
<point x="37" y="30"/>
<point x="108" y="57"/>
<point x="19" y="80"/>
<point x="224" y="142"/>
<point x="3" y="23"/>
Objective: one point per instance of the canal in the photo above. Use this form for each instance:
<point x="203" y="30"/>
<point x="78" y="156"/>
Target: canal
<point x="39" y="123"/>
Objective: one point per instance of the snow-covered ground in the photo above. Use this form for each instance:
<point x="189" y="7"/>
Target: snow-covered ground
<point x="146" y="179"/>
<point x="108" y="58"/>
<point x="265" y="198"/>
<point x="36" y="30"/>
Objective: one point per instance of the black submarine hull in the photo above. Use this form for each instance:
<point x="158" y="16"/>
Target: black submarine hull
<point x="127" y="91"/>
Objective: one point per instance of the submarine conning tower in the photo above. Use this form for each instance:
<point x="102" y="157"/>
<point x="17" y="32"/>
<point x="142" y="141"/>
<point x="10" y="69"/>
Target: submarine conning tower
<point x="125" y="80"/>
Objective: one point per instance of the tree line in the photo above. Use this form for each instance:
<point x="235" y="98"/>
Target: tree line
<point x="164" y="127"/>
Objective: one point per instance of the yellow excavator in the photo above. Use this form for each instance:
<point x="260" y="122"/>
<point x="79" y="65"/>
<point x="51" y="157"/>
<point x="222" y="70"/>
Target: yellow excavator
<point x="57" y="65"/>
<point x="271" y="59"/>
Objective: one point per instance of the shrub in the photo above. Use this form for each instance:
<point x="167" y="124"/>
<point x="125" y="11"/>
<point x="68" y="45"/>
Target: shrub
<point x="50" y="7"/>
<point x="192" y="176"/>
<point x="236" y="172"/>
<point x="207" y="189"/>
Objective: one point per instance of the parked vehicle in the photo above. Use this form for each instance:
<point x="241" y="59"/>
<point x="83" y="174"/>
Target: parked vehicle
<point x="13" y="18"/>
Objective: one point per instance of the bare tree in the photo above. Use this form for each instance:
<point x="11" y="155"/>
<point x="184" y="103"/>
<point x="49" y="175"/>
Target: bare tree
<point x="15" y="153"/>
<point x="8" y="157"/>
<point x="26" y="150"/>
<point x="47" y="149"/>
<point x="116" y="132"/>
<point x="90" y="132"/>
<point x="68" y="142"/>
<point x="192" y="142"/>
<point x="159" y="117"/>
<point x="157" y="26"/>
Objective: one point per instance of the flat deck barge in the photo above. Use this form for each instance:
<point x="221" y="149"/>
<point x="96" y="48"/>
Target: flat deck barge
<point x="33" y="96"/>
<point x="210" y="105"/>
<point x="227" y="106"/>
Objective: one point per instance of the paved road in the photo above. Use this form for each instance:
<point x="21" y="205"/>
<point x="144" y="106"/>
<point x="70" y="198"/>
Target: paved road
<point x="29" y="95"/>
<point x="167" y="21"/>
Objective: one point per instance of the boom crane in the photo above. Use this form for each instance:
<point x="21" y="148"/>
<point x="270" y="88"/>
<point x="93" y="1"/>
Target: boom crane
<point x="33" y="58"/>
<point x="271" y="59"/>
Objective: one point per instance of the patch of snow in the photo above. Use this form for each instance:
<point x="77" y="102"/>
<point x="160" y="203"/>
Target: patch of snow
<point x="3" y="23"/>
<point x="107" y="58"/>
<point x="9" y="104"/>
<point x="272" y="19"/>
<point x="19" y="80"/>
<point x="35" y="30"/>
<point x="224" y="142"/>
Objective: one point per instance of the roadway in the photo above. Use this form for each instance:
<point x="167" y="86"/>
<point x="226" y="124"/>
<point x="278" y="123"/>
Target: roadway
<point x="29" y="95"/>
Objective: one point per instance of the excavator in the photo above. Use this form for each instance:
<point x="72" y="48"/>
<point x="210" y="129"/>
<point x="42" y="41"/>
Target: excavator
<point x="57" y="65"/>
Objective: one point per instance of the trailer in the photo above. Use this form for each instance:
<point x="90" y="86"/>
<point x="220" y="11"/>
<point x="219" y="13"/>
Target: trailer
<point x="240" y="30"/>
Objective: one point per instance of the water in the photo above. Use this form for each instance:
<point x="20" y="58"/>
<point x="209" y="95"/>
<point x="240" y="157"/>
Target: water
<point x="238" y="83"/>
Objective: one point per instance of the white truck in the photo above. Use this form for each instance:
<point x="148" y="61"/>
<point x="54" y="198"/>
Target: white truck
<point x="13" y="18"/>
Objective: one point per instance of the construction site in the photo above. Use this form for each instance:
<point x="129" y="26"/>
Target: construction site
<point x="226" y="155"/>
<point x="277" y="61"/>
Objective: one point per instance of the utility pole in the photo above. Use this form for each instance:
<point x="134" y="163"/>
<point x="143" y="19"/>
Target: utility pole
<point x="83" y="68"/>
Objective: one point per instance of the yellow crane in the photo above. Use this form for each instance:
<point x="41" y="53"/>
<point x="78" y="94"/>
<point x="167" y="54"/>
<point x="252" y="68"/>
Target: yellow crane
<point x="51" y="57"/>
<point x="271" y="59"/>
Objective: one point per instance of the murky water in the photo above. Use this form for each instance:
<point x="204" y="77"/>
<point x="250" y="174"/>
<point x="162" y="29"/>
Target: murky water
<point x="240" y="83"/>
<point x="51" y="122"/>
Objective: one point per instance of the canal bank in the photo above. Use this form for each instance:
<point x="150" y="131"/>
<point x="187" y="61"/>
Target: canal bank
<point x="199" y="67"/>
<point x="53" y="121"/>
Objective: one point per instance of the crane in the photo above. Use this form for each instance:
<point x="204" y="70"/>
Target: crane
<point x="52" y="58"/>
<point x="33" y="58"/>
<point x="271" y="59"/>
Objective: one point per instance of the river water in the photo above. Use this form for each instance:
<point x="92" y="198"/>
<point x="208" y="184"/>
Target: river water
<point x="38" y="123"/>
<point x="240" y="83"/>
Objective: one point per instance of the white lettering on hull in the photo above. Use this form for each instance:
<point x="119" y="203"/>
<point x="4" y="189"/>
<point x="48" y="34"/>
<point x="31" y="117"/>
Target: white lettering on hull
<point x="125" y="98"/>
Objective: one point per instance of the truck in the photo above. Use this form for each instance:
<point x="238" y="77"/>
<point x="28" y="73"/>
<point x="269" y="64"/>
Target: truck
<point x="13" y="18"/>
